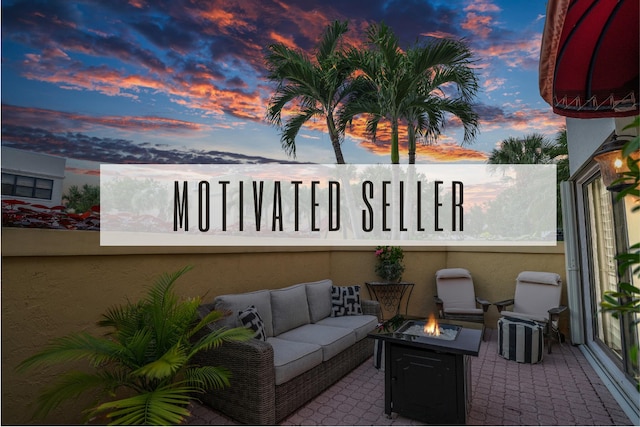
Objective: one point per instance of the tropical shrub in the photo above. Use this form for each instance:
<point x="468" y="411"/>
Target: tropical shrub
<point x="141" y="368"/>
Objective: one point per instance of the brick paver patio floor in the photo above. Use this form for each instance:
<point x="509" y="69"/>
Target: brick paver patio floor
<point x="561" y="390"/>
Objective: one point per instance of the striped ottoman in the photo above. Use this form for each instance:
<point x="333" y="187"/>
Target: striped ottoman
<point x="520" y="340"/>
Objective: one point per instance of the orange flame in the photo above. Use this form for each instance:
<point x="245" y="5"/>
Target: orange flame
<point x="431" y="327"/>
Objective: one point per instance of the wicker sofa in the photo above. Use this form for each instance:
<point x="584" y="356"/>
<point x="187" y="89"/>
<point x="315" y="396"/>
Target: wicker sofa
<point x="314" y="334"/>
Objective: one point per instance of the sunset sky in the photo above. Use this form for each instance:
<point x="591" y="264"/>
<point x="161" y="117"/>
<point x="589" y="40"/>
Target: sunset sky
<point x="183" y="81"/>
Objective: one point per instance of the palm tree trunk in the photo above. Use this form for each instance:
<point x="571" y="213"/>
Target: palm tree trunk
<point x="412" y="143"/>
<point x="335" y="140"/>
<point x="395" y="152"/>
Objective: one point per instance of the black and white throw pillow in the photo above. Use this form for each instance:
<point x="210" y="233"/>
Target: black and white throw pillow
<point x="250" y="318"/>
<point x="345" y="301"/>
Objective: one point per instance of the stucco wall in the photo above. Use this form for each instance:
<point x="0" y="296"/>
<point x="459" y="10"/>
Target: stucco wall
<point x="56" y="282"/>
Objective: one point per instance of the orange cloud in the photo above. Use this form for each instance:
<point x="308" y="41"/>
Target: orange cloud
<point x="450" y="153"/>
<point x="446" y="152"/>
<point x="479" y="25"/>
<point x="287" y="41"/>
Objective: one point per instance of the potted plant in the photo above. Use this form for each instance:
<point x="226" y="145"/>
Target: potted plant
<point x="389" y="264"/>
<point x="141" y="367"/>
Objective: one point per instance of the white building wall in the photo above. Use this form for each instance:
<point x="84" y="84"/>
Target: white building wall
<point x="584" y="136"/>
<point x="20" y="162"/>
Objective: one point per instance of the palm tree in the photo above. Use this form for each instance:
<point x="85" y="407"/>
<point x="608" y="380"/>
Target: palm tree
<point x="143" y="373"/>
<point x="532" y="149"/>
<point x="317" y="85"/>
<point x="397" y="85"/>
<point x="447" y="62"/>
<point x="559" y="154"/>
<point x="535" y="148"/>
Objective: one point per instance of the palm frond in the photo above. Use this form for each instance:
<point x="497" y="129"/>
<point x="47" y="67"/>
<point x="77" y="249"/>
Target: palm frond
<point x="124" y="320"/>
<point x="160" y="293"/>
<point x="164" y="406"/>
<point x="71" y="348"/>
<point x="330" y="39"/>
<point x="215" y="338"/>
<point x="74" y="384"/>
<point x="135" y="349"/>
<point x="211" y="317"/>
<point x="166" y="365"/>
<point x="208" y="377"/>
<point x="292" y="128"/>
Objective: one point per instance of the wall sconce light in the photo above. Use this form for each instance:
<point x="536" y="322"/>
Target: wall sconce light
<point x="612" y="164"/>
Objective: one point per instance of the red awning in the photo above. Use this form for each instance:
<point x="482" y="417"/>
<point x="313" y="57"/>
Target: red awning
<point x="590" y="58"/>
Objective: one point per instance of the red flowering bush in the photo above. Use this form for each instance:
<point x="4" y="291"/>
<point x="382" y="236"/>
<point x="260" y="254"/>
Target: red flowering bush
<point x="18" y="213"/>
<point x="389" y="265"/>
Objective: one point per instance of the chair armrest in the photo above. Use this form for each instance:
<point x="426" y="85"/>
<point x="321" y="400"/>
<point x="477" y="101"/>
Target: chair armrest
<point x="439" y="306"/>
<point x="554" y="313"/>
<point x="557" y="310"/>
<point x="502" y="304"/>
<point x="371" y="308"/>
<point x="484" y="303"/>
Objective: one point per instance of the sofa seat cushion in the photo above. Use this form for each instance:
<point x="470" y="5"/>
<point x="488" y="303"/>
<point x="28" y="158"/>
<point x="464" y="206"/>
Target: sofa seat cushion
<point x="293" y="358"/>
<point x="332" y="340"/>
<point x="361" y="325"/>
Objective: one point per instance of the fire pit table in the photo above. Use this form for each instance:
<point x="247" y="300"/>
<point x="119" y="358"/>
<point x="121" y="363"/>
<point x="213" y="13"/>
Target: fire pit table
<point x="427" y="377"/>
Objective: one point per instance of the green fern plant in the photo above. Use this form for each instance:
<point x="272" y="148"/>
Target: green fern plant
<point x="141" y="368"/>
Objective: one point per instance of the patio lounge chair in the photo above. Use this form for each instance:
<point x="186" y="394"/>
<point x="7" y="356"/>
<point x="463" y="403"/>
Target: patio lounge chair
<point x="456" y="298"/>
<point x="537" y="298"/>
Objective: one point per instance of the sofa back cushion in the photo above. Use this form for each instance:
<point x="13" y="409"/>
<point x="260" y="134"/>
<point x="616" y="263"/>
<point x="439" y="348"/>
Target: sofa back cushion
<point x="319" y="299"/>
<point x="289" y="308"/>
<point x="235" y="303"/>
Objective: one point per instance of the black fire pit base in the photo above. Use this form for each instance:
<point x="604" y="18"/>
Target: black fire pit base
<point x="427" y="379"/>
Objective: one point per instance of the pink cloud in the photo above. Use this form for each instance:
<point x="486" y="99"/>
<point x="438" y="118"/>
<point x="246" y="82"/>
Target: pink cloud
<point x="440" y="35"/>
<point x="479" y="25"/>
<point x="482" y="6"/>
<point x="519" y="53"/>
<point x="491" y="84"/>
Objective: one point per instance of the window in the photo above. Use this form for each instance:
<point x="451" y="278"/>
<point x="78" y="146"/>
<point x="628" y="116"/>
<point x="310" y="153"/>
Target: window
<point x="26" y="186"/>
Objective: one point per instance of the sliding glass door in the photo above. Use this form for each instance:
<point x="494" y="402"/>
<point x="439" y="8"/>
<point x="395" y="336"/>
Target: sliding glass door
<point x="608" y="225"/>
